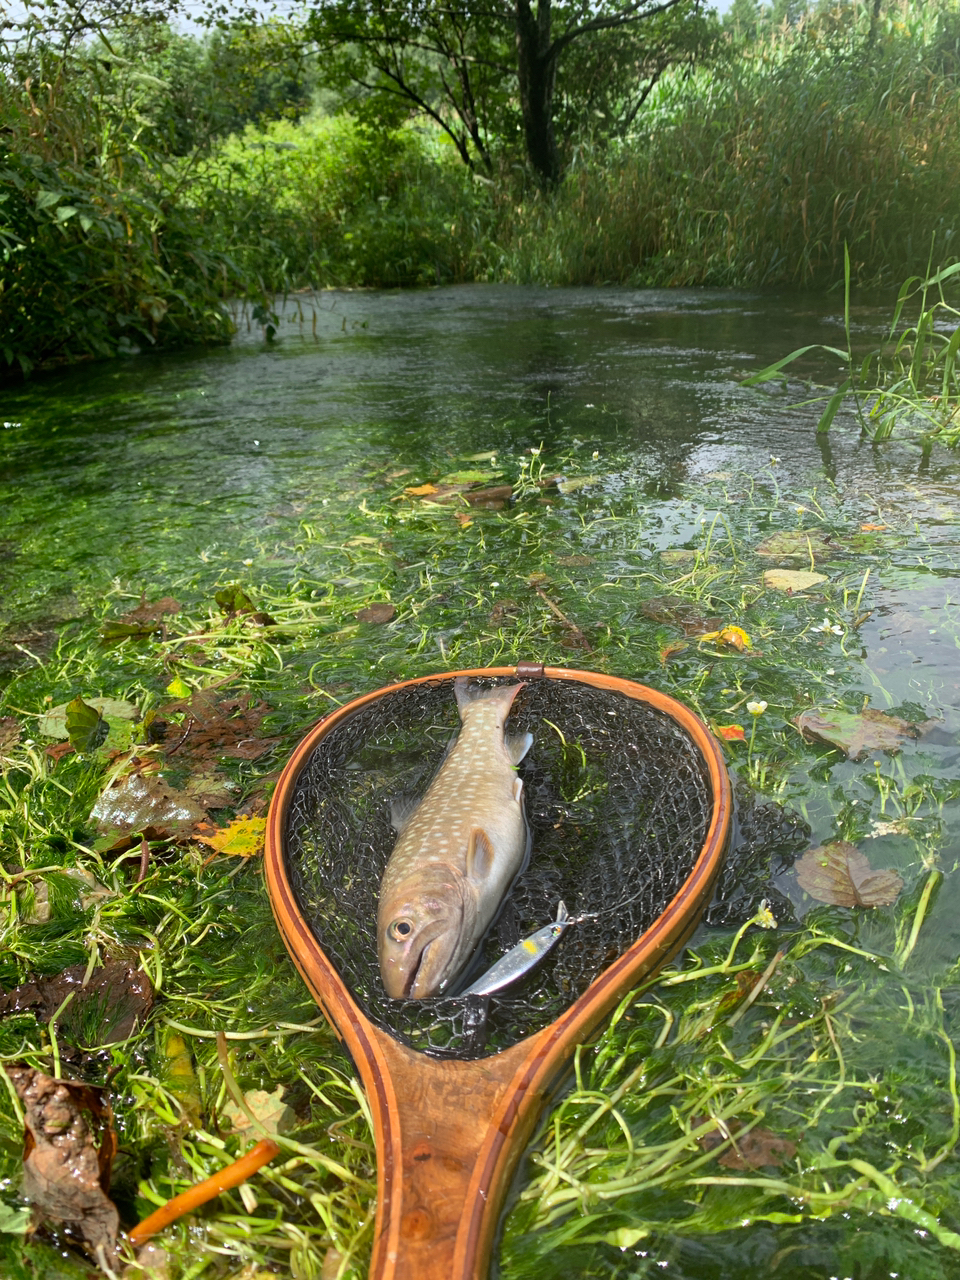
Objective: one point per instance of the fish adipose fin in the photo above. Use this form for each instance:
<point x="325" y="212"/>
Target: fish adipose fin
<point x="480" y="855"/>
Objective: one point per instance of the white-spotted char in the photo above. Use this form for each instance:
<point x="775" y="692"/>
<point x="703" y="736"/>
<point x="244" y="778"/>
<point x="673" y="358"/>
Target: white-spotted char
<point x="521" y="958"/>
<point x="457" y="853"/>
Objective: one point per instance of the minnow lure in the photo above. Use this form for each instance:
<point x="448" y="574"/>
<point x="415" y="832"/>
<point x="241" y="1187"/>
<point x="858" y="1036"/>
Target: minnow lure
<point x="521" y="958"/>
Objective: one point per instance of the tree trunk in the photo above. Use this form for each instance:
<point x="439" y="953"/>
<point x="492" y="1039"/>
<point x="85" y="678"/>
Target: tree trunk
<point x="537" y="74"/>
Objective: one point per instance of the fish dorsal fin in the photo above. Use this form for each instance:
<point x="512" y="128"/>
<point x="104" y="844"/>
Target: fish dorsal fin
<point x="480" y="855"/>
<point x="517" y="745"/>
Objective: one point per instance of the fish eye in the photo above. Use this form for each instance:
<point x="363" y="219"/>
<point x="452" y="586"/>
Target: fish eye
<point x="399" y="930"/>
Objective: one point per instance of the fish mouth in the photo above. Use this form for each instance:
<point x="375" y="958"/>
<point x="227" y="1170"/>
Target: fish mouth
<point x="427" y="977"/>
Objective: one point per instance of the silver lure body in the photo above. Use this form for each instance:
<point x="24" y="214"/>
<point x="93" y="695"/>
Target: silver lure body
<point x="521" y="958"/>
<point x="456" y="854"/>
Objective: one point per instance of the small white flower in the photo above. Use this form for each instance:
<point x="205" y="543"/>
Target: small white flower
<point x="248" y="563"/>
<point x="494" y="584"/>
<point x="596" y="455"/>
<point x="832" y="627"/>
<point x="757" y="708"/>
<point x="830" y="671"/>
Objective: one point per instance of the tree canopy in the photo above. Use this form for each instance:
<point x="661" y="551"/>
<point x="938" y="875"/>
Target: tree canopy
<point x="504" y="69"/>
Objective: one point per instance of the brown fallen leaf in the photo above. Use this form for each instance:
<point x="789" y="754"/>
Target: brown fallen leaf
<point x="874" y="528"/>
<point x="671" y="650"/>
<point x="214" y="725"/>
<point x="152" y="612"/>
<point x="756" y="1149"/>
<point x="69" y="1145"/>
<point x="242" y="838"/>
<point x="857" y="732"/>
<point x="106" y="1009"/>
<point x="840" y="874"/>
<point x="574" y="562"/>
<point x="678" y="612"/>
<point x="378" y="613"/>
<point x="9" y="733"/>
<point x="494" y="498"/>
<point x="137" y="802"/>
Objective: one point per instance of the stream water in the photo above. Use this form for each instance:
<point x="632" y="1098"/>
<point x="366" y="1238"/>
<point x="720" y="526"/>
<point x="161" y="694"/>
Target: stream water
<point x="175" y="473"/>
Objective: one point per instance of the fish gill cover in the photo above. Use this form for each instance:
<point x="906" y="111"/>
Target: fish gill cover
<point x="618" y="802"/>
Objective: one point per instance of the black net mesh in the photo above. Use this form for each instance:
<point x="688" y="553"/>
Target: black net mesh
<point x="618" y="801"/>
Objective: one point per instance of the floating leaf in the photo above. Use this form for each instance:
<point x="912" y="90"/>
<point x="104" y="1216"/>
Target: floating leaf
<point x="857" y="733"/>
<point x="177" y="688"/>
<point x="378" y="613"/>
<point x="840" y="874"/>
<point x="215" y="725"/>
<point x="464" y="519"/>
<point x="242" y="838"/>
<point x="113" y="710"/>
<point x="138" y="802"/>
<point x="874" y="528"/>
<point x="574" y="562"/>
<point x="797" y="545"/>
<point x="420" y="490"/>
<point x="570" y="484"/>
<point x="731" y="732"/>
<point x="69" y="1145"/>
<point x="792" y="580"/>
<point x="269" y="1108"/>
<point x="86" y="727"/>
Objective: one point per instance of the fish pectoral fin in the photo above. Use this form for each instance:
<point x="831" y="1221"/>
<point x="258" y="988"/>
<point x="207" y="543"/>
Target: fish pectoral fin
<point x="517" y="789"/>
<point x="480" y="855"/>
<point x="517" y="745"/>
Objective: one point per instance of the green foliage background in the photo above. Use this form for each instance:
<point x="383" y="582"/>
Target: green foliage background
<point x="146" y="176"/>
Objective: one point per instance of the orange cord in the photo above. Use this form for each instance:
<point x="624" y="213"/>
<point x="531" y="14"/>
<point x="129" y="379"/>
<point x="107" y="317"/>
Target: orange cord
<point x="231" y="1176"/>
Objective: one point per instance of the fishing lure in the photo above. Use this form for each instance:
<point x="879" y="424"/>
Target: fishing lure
<point x="521" y="958"/>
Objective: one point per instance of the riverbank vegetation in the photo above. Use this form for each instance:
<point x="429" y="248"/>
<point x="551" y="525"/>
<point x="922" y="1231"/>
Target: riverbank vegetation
<point x="146" y="175"/>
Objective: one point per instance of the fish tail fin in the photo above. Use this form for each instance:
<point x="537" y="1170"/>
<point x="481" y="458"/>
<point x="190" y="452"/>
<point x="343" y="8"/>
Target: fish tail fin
<point x="504" y="693"/>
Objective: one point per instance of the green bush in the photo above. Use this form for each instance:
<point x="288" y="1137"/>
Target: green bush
<point x="329" y="202"/>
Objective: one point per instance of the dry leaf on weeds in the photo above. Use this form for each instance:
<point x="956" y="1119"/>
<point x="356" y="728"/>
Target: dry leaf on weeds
<point x="756" y="1149"/>
<point x="792" y="580"/>
<point x="671" y="650"/>
<point x="242" y="838"/>
<point x="840" y="874"/>
<point x="420" y="490"/>
<point x="69" y="1145"/>
<point x="731" y="637"/>
<point x="9" y="733"/>
<point x="113" y="1002"/>
<point x="858" y="732"/>
<point x="378" y="613"/>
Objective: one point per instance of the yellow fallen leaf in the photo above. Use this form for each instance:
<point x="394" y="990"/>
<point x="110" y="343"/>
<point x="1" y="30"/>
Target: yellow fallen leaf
<point x="420" y="490"/>
<point x="792" y="579"/>
<point x="734" y="637"/>
<point x="242" y="838"/>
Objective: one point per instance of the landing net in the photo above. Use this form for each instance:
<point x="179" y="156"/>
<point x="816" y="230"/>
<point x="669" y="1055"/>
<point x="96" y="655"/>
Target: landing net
<point x="618" y="801"/>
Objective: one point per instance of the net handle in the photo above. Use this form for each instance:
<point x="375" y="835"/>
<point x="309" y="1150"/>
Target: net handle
<point x="449" y="1133"/>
